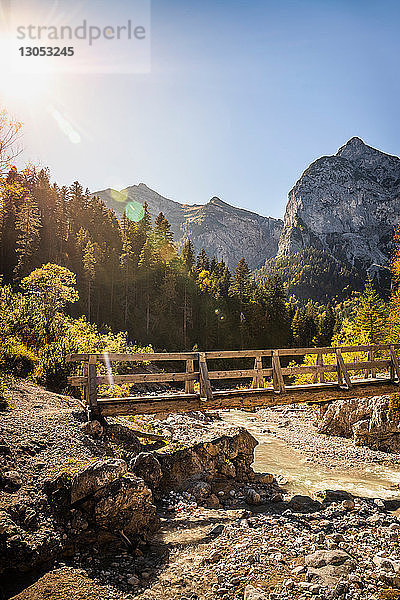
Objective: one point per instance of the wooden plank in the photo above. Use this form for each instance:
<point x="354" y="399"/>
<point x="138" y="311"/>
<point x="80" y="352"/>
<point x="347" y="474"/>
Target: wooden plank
<point x="205" y="385"/>
<point x="304" y="351"/>
<point x="316" y="374"/>
<point x="342" y="368"/>
<point x="189" y="385"/>
<point x="247" y="398"/>
<point x="148" y="378"/>
<point x="302" y="370"/>
<point x="395" y="364"/>
<point x="331" y="349"/>
<point x="156" y="356"/>
<point x="170" y="377"/>
<point x="212" y="355"/>
<point x="239" y="374"/>
<point x="147" y="356"/>
<point x="354" y="366"/>
<point x="138" y="356"/>
<point x="75" y="380"/>
<point x="92" y="386"/>
<point x="279" y="384"/>
<point x="373" y="370"/>
<point x="320" y="363"/>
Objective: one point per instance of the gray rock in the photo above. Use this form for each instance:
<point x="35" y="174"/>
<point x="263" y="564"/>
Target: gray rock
<point x="96" y="476"/>
<point x="304" y="504"/>
<point x="253" y="593"/>
<point x="321" y="558"/>
<point x="93" y="428"/>
<point x="330" y="496"/>
<point x="11" y="480"/>
<point x="200" y="490"/>
<point x="368" y="421"/>
<point x="252" y="497"/>
<point x="147" y="466"/>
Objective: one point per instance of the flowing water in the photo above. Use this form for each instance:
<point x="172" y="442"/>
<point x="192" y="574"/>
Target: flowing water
<point x="303" y="476"/>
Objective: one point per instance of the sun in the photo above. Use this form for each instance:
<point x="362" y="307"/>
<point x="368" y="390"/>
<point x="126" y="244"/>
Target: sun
<point x="22" y="78"/>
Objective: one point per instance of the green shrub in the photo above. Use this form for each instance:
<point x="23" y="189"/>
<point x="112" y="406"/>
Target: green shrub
<point x="17" y="359"/>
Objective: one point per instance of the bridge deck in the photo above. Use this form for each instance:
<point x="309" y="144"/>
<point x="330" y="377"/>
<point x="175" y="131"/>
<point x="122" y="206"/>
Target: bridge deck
<point x="364" y="382"/>
<point x="244" y="399"/>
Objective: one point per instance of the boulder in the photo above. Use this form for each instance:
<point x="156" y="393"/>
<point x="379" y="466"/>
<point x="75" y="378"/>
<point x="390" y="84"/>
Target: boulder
<point x="11" y="481"/>
<point x="147" y="466"/>
<point x="200" y="490"/>
<point x="93" y="428"/>
<point x="124" y="436"/>
<point x="95" y="476"/>
<point x="304" y="504"/>
<point x="321" y="558"/>
<point x="369" y="421"/>
<point x="125" y="504"/>
<point x="252" y="497"/>
<point x="330" y="496"/>
<point x="329" y="566"/>
<point x="222" y="456"/>
<point x="255" y="593"/>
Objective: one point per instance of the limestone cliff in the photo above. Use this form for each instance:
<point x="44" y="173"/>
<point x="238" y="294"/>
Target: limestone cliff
<point x="348" y="205"/>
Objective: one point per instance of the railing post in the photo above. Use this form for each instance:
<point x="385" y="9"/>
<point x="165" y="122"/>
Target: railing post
<point x="371" y="357"/>
<point x="277" y="377"/>
<point x="205" y="385"/>
<point x="320" y="361"/>
<point x="341" y="369"/>
<point x="258" y="379"/>
<point x="92" y="387"/>
<point x="394" y="365"/>
<point x="319" y="376"/>
<point x="189" y="385"/>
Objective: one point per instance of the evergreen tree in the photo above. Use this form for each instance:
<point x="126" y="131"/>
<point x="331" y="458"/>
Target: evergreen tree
<point x="89" y="266"/>
<point x="28" y="224"/>
<point x="371" y="315"/>
<point x="188" y="255"/>
<point x="326" y="327"/>
<point x="203" y="262"/>
<point x="241" y="286"/>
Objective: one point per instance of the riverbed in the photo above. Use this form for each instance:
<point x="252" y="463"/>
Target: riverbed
<point x="306" y="462"/>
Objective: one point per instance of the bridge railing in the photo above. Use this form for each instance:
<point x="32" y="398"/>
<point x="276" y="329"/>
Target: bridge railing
<point x="267" y="378"/>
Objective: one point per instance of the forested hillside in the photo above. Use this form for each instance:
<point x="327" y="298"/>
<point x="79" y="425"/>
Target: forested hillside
<point x="130" y="275"/>
<point x="314" y="274"/>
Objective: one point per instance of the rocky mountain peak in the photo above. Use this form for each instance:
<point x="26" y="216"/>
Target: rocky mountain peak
<point x="354" y="146"/>
<point x="347" y="204"/>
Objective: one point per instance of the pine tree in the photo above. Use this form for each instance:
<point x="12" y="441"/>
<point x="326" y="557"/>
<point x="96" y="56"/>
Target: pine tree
<point x="89" y="266"/>
<point x="188" y="255"/>
<point x="326" y="327"/>
<point x="28" y="224"/>
<point x="203" y="263"/>
<point x="241" y="286"/>
<point x="371" y="315"/>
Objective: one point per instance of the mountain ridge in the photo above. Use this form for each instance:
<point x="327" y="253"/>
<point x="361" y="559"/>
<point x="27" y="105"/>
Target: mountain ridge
<point x="345" y="204"/>
<point x="225" y="231"/>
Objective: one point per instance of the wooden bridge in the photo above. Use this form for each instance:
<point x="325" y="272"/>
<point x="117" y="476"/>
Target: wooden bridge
<point x="335" y="373"/>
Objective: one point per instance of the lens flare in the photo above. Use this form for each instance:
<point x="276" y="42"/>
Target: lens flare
<point x="134" y="211"/>
<point x="109" y="370"/>
<point x="65" y="125"/>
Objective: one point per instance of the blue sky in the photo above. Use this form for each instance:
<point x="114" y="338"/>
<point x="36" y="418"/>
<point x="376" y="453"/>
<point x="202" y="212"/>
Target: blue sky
<point x="241" y="97"/>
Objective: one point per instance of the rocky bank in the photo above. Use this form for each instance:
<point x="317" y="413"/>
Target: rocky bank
<point x="66" y="485"/>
